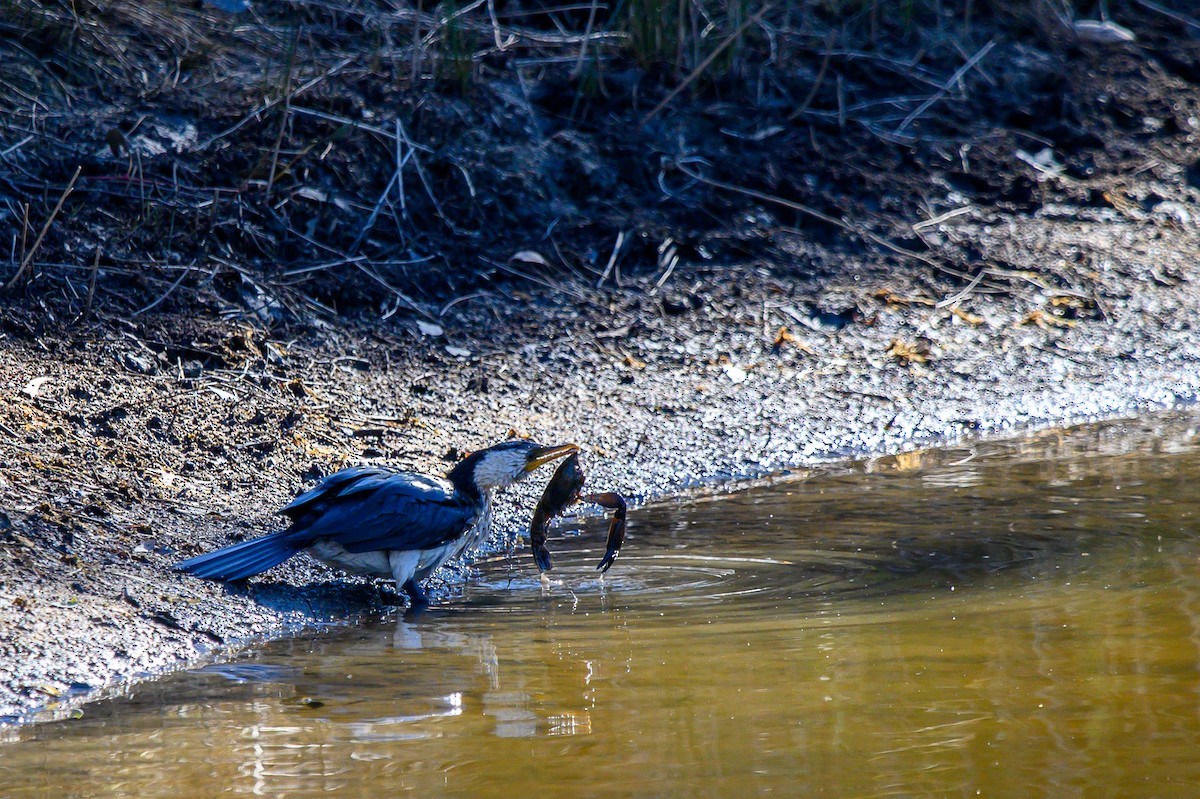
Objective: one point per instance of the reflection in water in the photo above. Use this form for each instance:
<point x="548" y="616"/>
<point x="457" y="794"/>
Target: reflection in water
<point x="1017" y="620"/>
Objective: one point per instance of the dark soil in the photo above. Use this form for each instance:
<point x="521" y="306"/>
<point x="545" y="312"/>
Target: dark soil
<point x="300" y="159"/>
<point x="754" y="280"/>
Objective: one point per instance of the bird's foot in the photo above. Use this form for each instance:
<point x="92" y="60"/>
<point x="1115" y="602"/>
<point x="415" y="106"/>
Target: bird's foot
<point x="416" y="595"/>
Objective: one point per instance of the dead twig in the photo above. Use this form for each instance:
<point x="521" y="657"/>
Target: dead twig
<point x="396" y="180"/>
<point x="186" y="271"/>
<point x="532" y="278"/>
<point x="668" y="255"/>
<point x="87" y="308"/>
<point x="940" y="218"/>
<point x="1166" y="12"/>
<point x="400" y="177"/>
<point x="28" y="259"/>
<point x="945" y="87"/>
<point x="444" y="21"/>
<point x="472" y="296"/>
<point x="820" y="79"/>
<point x="321" y="267"/>
<point x="491" y="5"/>
<point x="956" y="297"/>
<point x="810" y="211"/>
<point x="16" y="146"/>
<point x="758" y="195"/>
<point x="24" y="228"/>
<point x="703" y="65"/>
<point x="437" y="206"/>
<point x="267" y="106"/>
<point x="350" y="123"/>
<point x="283" y="118"/>
<point x="904" y="68"/>
<point x="397" y="293"/>
<point x="612" y="259"/>
<point x="591" y="20"/>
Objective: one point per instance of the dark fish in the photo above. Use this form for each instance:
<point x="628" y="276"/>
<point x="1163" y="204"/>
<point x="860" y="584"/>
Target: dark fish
<point x="616" y="528"/>
<point x="562" y="492"/>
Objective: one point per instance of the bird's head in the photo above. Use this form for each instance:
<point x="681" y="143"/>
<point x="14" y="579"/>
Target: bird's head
<point x="501" y="465"/>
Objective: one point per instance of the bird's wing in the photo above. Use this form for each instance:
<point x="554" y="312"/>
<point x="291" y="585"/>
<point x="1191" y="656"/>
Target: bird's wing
<point x="331" y="486"/>
<point x="369" y="508"/>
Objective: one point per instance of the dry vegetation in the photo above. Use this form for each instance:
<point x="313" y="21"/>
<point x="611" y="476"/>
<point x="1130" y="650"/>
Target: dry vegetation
<point x="309" y="156"/>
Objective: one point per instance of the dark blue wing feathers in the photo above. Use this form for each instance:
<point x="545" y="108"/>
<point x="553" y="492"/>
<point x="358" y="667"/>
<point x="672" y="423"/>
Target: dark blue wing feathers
<point x="331" y="486"/>
<point x="368" y="508"/>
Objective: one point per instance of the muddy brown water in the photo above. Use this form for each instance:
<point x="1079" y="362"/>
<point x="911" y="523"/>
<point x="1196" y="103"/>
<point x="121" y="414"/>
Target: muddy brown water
<point x="1011" y="620"/>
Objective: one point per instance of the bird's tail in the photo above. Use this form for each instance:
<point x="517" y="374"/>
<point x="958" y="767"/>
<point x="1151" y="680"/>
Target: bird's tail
<point x="241" y="560"/>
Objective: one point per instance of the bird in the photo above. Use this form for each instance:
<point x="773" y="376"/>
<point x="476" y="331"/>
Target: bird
<point x="386" y="523"/>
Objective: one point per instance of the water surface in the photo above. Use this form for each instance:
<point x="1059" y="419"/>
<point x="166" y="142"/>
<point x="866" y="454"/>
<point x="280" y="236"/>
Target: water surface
<point x="1008" y="620"/>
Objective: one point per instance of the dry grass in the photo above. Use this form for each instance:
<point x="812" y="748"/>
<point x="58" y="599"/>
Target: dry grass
<point x="318" y="156"/>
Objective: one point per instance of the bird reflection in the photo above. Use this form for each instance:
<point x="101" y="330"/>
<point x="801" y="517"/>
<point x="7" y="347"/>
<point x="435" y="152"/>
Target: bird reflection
<point x="409" y="635"/>
<point x="459" y="692"/>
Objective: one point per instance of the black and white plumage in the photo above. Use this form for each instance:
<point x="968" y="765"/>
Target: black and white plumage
<point x="386" y="523"/>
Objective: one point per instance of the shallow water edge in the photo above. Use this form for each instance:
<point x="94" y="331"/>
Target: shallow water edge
<point x="1162" y="431"/>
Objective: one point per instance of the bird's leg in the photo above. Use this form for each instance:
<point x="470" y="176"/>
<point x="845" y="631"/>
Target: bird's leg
<point x="404" y="572"/>
<point x="616" y="528"/>
<point x="416" y="595"/>
<point x="418" y="603"/>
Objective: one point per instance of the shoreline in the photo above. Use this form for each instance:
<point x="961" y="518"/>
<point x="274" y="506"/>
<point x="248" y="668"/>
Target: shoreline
<point x="186" y="464"/>
<point x="252" y="253"/>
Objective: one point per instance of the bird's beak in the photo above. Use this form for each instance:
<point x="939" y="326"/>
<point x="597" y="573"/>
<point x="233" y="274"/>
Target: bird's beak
<point x="540" y="456"/>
